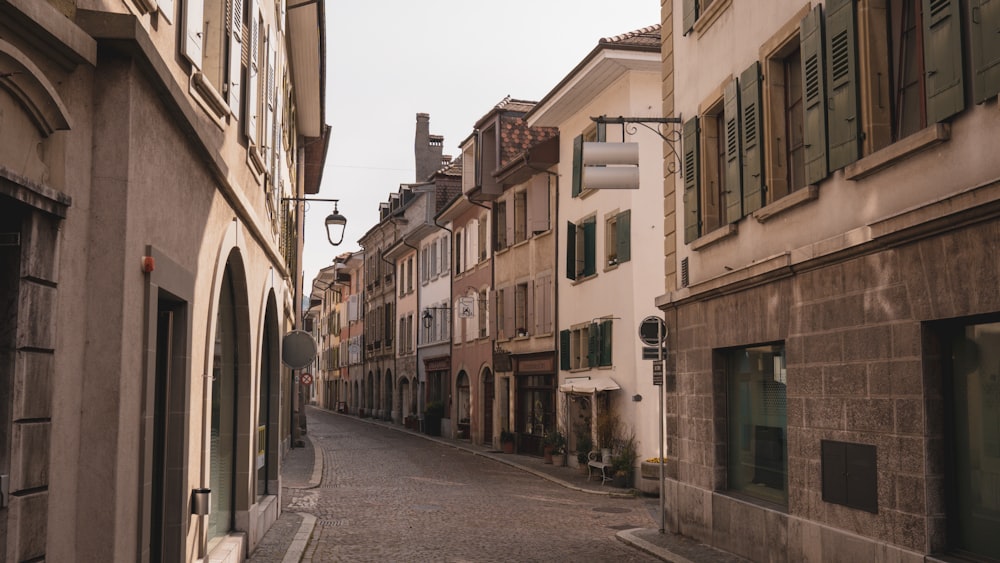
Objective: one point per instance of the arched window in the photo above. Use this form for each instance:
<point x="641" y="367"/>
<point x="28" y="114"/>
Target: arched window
<point x="222" y="447"/>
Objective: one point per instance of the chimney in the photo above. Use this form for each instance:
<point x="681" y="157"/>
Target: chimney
<point x="427" y="149"/>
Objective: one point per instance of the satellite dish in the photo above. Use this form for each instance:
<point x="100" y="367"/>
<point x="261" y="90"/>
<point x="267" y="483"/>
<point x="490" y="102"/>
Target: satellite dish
<point x="298" y="349"/>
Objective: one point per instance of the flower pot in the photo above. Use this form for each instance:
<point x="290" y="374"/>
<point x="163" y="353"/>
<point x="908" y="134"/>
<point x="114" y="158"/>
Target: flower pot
<point x="558" y="460"/>
<point x="547" y="454"/>
<point x="508" y="447"/>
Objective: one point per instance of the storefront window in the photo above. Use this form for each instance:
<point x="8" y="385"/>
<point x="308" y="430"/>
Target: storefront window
<point x="758" y="450"/>
<point x="223" y="430"/>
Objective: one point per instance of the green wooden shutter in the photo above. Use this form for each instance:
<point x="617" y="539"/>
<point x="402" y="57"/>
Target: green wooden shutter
<point x="577" y="165"/>
<point x="590" y="247"/>
<point x="732" y="198"/>
<point x="751" y="129"/>
<point x="564" y="350"/>
<point x="842" y="78"/>
<point x="813" y="97"/>
<point x="943" y="59"/>
<point x="623" y="235"/>
<point x="985" y="31"/>
<point x="605" y="359"/>
<point x="690" y="15"/>
<point x="692" y="197"/>
<point x="593" y="344"/>
<point x="570" y="251"/>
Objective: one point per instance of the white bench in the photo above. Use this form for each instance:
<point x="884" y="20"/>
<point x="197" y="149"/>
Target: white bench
<point x="600" y="466"/>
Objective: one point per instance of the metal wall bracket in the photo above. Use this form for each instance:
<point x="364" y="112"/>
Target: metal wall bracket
<point x="666" y="128"/>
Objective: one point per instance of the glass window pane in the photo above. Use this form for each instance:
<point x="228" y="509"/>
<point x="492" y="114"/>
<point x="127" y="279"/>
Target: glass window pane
<point x="758" y="460"/>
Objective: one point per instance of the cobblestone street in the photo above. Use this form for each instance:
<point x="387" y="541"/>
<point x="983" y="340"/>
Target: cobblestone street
<point x="387" y="495"/>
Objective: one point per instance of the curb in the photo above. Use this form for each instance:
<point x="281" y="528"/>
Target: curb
<point x="301" y="540"/>
<point x="629" y="537"/>
<point x="317" y="473"/>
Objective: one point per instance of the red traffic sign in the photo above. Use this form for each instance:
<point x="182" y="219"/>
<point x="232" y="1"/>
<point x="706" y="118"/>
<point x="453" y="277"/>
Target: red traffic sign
<point x="306" y="379"/>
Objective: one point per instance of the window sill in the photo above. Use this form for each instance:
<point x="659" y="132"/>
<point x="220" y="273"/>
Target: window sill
<point x="209" y="98"/>
<point x="540" y="234"/>
<point x="611" y="267"/>
<point x="790" y="201"/>
<point x="715" y="236"/>
<point x="578" y="370"/>
<point x="520" y="243"/>
<point x="578" y="281"/>
<point x="706" y="20"/>
<point x="256" y="162"/>
<point x="501" y="251"/>
<point x="900" y="150"/>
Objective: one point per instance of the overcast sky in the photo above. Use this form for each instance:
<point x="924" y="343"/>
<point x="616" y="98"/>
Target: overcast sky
<point x="453" y="59"/>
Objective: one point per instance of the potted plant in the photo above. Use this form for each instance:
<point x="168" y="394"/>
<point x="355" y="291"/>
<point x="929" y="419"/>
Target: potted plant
<point x="432" y="418"/>
<point x="584" y="445"/>
<point x="507" y="441"/>
<point x="554" y="443"/>
<point x="649" y="475"/>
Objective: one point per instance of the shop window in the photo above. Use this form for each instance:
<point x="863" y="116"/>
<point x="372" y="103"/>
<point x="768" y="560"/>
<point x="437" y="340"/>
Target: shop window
<point x="757" y="440"/>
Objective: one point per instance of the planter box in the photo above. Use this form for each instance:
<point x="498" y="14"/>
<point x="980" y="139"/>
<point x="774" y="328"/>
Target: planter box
<point x="649" y="478"/>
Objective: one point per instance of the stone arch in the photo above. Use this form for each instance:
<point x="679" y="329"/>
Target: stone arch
<point x="27" y="84"/>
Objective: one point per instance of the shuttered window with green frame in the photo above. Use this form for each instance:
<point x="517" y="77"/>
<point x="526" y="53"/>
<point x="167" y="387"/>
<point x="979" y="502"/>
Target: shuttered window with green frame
<point x="692" y="197"/>
<point x="589" y="247"/>
<point x="570" y="250"/>
<point x="942" y="22"/>
<point x="751" y="129"/>
<point x="577" y="165"/>
<point x="844" y="134"/>
<point x="604" y="358"/>
<point x="813" y="96"/>
<point x="564" y="350"/>
<point x="623" y="235"/>
<point x="985" y="42"/>
<point x="733" y="197"/>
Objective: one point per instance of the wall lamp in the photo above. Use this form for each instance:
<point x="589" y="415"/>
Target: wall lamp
<point x="335" y="222"/>
<point x="427" y="318"/>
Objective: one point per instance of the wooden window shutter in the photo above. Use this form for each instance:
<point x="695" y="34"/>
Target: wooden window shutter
<point x="590" y="246"/>
<point x="623" y="236"/>
<point x="842" y="77"/>
<point x="235" y="54"/>
<point x="577" y="165"/>
<point x="564" y="350"/>
<point x="570" y="251"/>
<point x="605" y="332"/>
<point x="690" y="15"/>
<point x="751" y="129"/>
<point x="813" y="96"/>
<point x="509" y="216"/>
<point x="509" y="304"/>
<point x="692" y="197"/>
<point x="985" y="31"/>
<point x="253" y="75"/>
<point x="538" y="204"/>
<point x="194" y="29"/>
<point x="529" y="307"/>
<point x="593" y="344"/>
<point x="943" y="59"/>
<point x="733" y="196"/>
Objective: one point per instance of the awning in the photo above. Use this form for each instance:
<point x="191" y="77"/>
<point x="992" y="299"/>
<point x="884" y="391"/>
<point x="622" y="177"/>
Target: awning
<point x="588" y="385"/>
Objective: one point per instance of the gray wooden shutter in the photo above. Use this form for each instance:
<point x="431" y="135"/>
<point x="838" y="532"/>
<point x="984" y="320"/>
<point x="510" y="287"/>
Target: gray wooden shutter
<point x="733" y="197"/>
<point x="570" y="250"/>
<point x="943" y="59"/>
<point x="692" y="197"/>
<point x="606" y="334"/>
<point x="842" y="77"/>
<point x="623" y="236"/>
<point x="166" y="8"/>
<point x="577" y="165"/>
<point x="985" y="31"/>
<point x="590" y="247"/>
<point x="268" y="137"/>
<point x="529" y="307"/>
<point x="538" y="204"/>
<point x="235" y="54"/>
<point x="253" y="75"/>
<point x="194" y="29"/>
<point x="690" y="15"/>
<point x="564" y="350"/>
<point x="813" y="97"/>
<point x="751" y="130"/>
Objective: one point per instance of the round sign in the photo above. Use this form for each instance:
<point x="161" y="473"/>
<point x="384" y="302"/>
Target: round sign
<point x="306" y="379"/>
<point x="652" y="331"/>
<point x="298" y="349"/>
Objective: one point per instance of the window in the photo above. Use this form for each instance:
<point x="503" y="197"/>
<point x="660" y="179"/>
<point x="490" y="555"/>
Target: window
<point x="586" y="345"/>
<point x="520" y="216"/>
<point x="590" y="135"/>
<point x="757" y="445"/>
<point x="503" y="315"/>
<point x="402" y="272"/>
<point x="972" y="354"/>
<point x="483" y="315"/>
<point x="698" y="14"/>
<point x="458" y="251"/>
<point x="538" y="205"/>
<point x="409" y="275"/>
<point x="580" y="249"/>
<point x="543" y="303"/>
<point x="402" y="335"/>
<point x="521" y="310"/>
<point x="786" y="153"/>
<point x="617" y="246"/>
<point x="387" y="324"/>
<point x="482" y="239"/>
<point x="501" y="225"/>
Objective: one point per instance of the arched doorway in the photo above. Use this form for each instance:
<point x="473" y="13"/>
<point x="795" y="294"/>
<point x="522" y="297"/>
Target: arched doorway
<point x="369" y="402"/>
<point x="464" y="403"/>
<point x="268" y="395"/>
<point x="489" y="396"/>
<point x="228" y="450"/>
<point x="387" y="396"/>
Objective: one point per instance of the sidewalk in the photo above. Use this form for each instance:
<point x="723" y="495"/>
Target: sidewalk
<point x="302" y="469"/>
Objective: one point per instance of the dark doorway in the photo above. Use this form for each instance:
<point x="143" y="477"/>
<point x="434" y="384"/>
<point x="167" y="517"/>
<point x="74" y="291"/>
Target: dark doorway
<point x="489" y="397"/>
